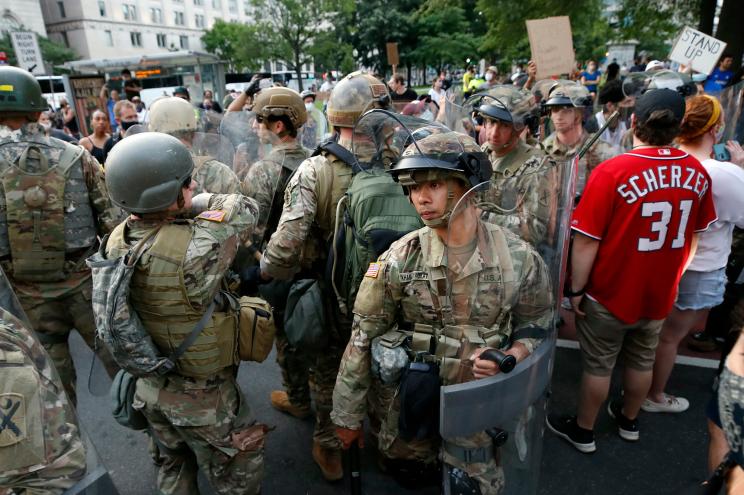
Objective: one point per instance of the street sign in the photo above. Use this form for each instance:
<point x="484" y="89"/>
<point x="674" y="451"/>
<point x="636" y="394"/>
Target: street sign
<point x="700" y="49"/>
<point x="27" y="52"/>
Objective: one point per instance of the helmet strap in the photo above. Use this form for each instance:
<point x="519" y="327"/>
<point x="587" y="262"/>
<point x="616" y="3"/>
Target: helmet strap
<point x="443" y="221"/>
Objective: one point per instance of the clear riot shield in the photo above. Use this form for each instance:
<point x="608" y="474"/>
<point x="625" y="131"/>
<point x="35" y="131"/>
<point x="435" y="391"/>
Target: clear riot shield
<point x="240" y="129"/>
<point x="20" y="421"/>
<point x="510" y="406"/>
<point x="732" y="101"/>
<point x="314" y="130"/>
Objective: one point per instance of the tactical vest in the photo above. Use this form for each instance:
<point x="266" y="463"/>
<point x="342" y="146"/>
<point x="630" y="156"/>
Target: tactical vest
<point x="45" y="208"/>
<point x="159" y="296"/>
<point x="333" y="182"/>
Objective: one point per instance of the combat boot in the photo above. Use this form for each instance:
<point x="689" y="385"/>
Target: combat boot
<point x="280" y="401"/>
<point x="329" y="462"/>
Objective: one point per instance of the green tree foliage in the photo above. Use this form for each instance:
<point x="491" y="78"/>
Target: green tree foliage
<point x="52" y="52"/>
<point x="655" y="23"/>
<point x="225" y="39"/>
<point x="443" y="35"/>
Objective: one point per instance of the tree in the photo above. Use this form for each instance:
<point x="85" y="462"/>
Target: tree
<point x="52" y="52"/>
<point x="729" y="29"/>
<point x="655" y="23"/>
<point x="225" y="40"/>
<point x="443" y="35"/>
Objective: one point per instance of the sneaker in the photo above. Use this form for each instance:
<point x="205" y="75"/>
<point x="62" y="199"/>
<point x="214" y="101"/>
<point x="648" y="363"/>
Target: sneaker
<point x="671" y="404"/>
<point x="626" y="428"/>
<point x="702" y="342"/>
<point x="566" y="428"/>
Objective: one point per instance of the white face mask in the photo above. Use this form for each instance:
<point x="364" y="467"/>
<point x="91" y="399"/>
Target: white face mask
<point x="46" y="125"/>
<point x="427" y="115"/>
<point x="309" y="106"/>
<point x="489" y="76"/>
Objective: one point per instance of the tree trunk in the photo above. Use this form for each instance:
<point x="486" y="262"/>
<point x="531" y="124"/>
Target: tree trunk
<point x="730" y="31"/>
<point x="408" y="70"/>
<point x="298" y="71"/>
<point x="707" y="13"/>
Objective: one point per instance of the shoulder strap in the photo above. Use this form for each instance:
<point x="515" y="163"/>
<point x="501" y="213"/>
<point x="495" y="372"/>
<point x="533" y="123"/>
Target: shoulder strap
<point x="69" y="157"/>
<point x="194" y="334"/>
<point x="331" y="146"/>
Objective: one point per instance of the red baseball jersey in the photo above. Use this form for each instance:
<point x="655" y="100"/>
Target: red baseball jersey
<point x="643" y="207"/>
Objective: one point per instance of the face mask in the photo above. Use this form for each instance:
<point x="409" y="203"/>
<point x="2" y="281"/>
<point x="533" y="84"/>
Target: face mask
<point x="489" y="76"/>
<point x="309" y="106"/>
<point x="126" y="125"/>
<point x="427" y="115"/>
<point x="47" y="126"/>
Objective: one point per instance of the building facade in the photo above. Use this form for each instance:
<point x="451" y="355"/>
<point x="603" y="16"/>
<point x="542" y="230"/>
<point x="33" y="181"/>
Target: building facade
<point x="21" y="14"/>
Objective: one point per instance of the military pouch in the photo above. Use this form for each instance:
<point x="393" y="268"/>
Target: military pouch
<point x="122" y="396"/>
<point x="419" y="402"/>
<point x="389" y="356"/>
<point x="305" y="321"/>
<point x="257" y="329"/>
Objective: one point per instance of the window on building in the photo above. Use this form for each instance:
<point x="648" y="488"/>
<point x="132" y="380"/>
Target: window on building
<point x="247" y="7"/>
<point x="216" y="4"/>
<point x="199" y="20"/>
<point x="184" y="40"/>
<point x="102" y="8"/>
<point x="136" y="38"/>
<point x="162" y="40"/>
<point x="156" y="15"/>
<point x="177" y="1"/>
<point x="130" y="11"/>
<point x="109" y="38"/>
<point x="65" y="40"/>
<point x="61" y="7"/>
<point x="198" y="2"/>
<point x="179" y="19"/>
<point x="232" y="6"/>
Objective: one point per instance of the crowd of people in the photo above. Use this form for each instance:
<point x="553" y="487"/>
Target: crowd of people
<point x="423" y="245"/>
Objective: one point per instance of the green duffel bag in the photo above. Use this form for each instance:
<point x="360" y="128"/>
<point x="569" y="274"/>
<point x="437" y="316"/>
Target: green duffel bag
<point x="122" y="396"/>
<point x="304" y="317"/>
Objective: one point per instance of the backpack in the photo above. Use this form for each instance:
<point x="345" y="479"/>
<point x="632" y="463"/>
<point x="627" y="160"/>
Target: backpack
<point x="372" y="214"/>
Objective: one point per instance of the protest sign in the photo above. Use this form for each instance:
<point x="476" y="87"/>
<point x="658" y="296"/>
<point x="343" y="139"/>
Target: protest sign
<point x="699" y="48"/>
<point x="551" y="45"/>
<point x="84" y="92"/>
<point x="392" y="53"/>
<point x="27" y="52"/>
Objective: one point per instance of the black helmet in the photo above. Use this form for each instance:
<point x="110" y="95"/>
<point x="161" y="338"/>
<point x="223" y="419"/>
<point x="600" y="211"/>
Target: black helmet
<point x="145" y="172"/>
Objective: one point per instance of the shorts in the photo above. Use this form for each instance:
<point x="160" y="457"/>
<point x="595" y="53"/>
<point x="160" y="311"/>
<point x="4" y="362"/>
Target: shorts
<point x="603" y="338"/>
<point x="701" y="290"/>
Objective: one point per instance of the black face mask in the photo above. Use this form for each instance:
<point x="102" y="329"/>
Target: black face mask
<point x="126" y="125"/>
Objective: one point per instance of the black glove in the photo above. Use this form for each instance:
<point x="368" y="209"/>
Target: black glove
<point x="250" y="279"/>
<point x="253" y="87"/>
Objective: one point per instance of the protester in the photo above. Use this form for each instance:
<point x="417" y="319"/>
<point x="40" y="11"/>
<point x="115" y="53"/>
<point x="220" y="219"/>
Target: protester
<point x="142" y="113"/>
<point x="182" y="92"/>
<point x="69" y="119"/>
<point x="466" y="79"/>
<point x="590" y="77"/>
<point x="108" y="99"/>
<point x="96" y="142"/>
<point x="610" y="97"/>
<point x="702" y="285"/>
<point x="398" y="89"/>
<point x="491" y="80"/>
<point x="125" y="114"/>
<point x="45" y="121"/>
<point x="208" y="102"/>
<point x="132" y="86"/>
<point x="720" y="76"/>
<point x="638" y="65"/>
<point x="622" y="216"/>
<point x="437" y="90"/>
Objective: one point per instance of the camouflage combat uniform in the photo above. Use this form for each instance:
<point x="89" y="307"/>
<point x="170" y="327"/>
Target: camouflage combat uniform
<point x="200" y="422"/>
<point x="214" y="177"/>
<point x="301" y="243"/>
<point x="598" y="153"/>
<point x="40" y="446"/>
<point x="406" y="289"/>
<point x="56" y="306"/>
<point x="526" y="174"/>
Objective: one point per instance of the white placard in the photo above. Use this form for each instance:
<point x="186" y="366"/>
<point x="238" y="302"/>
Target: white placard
<point x="699" y="48"/>
<point x="27" y="52"/>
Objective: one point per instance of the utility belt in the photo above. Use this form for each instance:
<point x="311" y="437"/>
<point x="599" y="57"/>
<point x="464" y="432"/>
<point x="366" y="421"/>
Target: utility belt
<point x="45" y="265"/>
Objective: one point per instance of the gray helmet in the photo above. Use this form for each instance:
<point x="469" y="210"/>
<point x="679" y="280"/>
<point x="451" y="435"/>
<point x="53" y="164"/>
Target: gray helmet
<point x="20" y="91"/>
<point x="506" y="103"/>
<point x="145" y="172"/>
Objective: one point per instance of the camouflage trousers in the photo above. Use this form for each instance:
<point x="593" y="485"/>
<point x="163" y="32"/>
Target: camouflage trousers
<point x="489" y="474"/>
<point x="53" y="319"/>
<point x="207" y="425"/>
<point x="295" y="366"/>
<point x="323" y="373"/>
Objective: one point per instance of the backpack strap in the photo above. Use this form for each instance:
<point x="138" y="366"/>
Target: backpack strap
<point x="331" y="146"/>
<point x="70" y="157"/>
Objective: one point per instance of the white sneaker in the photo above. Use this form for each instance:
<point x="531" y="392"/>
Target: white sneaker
<point x="671" y="404"/>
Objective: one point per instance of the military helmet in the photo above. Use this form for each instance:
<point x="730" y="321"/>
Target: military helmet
<point x="353" y="95"/>
<point x="20" y="91"/>
<point x="567" y="94"/>
<point x="442" y="155"/>
<point x="278" y="102"/>
<point x="307" y="93"/>
<point x="145" y="172"/>
<point x="172" y="114"/>
<point x="506" y="103"/>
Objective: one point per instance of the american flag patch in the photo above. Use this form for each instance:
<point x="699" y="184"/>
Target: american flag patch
<point x="212" y="215"/>
<point x="373" y="271"/>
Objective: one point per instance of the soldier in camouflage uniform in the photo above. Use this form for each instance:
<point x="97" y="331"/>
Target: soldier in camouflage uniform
<point x="40" y="446"/>
<point x="565" y="104"/>
<point x="198" y="414"/>
<point x="457" y="271"/>
<point x="54" y="203"/>
<point x="177" y="117"/>
<point x="301" y="242"/>
<point x="506" y="112"/>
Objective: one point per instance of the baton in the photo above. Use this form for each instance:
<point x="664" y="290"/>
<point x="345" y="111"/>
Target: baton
<point x="355" y="466"/>
<point x="587" y="146"/>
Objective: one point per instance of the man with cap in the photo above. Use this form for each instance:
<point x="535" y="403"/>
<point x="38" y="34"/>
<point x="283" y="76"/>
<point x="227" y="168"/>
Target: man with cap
<point x="197" y="412"/>
<point x="182" y="92"/>
<point x="300" y="242"/>
<point x="491" y="74"/>
<point x="565" y="104"/>
<point x="55" y="205"/>
<point x="177" y="117"/>
<point x="645" y="207"/>
<point x="316" y="127"/>
<point x="402" y="295"/>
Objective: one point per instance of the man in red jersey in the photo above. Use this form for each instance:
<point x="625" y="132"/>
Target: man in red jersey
<point x="635" y="232"/>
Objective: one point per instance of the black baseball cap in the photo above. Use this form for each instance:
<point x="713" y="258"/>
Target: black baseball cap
<point x="181" y="90"/>
<point x="659" y="99"/>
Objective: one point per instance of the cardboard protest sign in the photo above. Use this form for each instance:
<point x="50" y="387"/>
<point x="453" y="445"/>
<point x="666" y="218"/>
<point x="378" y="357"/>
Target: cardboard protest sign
<point x="392" y="53"/>
<point x="551" y="45"/>
<point x="699" y="48"/>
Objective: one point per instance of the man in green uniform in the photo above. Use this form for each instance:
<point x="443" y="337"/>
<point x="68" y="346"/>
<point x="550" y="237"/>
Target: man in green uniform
<point x="41" y="451"/>
<point x="506" y="112"/>
<point x="177" y="117"/>
<point x="444" y="294"/>
<point x="301" y="241"/>
<point x="280" y="112"/>
<point x="54" y="205"/>
<point x="197" y="413"/>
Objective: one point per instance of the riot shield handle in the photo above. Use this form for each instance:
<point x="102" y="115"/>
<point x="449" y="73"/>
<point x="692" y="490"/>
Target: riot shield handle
<point x="506" y="362"/>
<point x="588" y="145"/>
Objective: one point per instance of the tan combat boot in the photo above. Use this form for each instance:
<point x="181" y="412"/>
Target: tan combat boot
<point x="329" y="462"/>
<point x="280" y="401"/>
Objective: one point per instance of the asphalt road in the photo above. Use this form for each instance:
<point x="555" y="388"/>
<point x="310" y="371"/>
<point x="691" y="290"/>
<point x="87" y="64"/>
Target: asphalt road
<point x="670" y="456"/>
